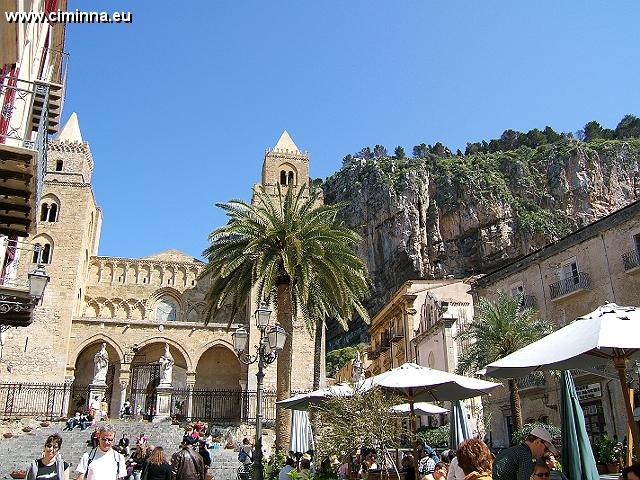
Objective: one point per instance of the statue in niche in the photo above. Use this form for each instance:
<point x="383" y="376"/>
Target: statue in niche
<point x="166" y="366"/>
<point x="100" y="366"/>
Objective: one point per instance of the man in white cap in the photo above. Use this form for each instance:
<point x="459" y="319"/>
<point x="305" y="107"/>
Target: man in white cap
<point x="517" y="462"/>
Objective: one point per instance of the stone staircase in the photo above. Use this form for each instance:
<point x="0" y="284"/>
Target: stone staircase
<point x="16" y="453"/>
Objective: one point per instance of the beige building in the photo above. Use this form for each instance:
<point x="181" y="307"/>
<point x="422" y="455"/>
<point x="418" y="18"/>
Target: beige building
<point x="564" y="280"/>
<point x="134" y="306"/>
<point x="419" y="324"/>
<point x="32" y="78"/>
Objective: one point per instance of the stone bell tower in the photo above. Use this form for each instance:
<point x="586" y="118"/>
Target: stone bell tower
<point x="67" y="233"/>
<point x="285" y="165"/>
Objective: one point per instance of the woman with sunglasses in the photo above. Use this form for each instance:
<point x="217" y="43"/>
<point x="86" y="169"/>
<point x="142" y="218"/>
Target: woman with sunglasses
<point x="541" y="471"/>
<point x="50" y="466"/>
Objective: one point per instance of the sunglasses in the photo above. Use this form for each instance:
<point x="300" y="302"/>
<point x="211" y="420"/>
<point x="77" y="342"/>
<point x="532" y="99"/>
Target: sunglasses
<point x="107" y="440"/>
<point x="541" y="475"/>
<point x="51" y="445"/>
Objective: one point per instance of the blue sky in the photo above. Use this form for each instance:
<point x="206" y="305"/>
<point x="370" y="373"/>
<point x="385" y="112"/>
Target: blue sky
<point x="179" y="106"/>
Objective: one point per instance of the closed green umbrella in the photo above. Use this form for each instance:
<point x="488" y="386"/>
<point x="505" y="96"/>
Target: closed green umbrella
<point x="459" y="429"/>
<point x="578" y="462"/>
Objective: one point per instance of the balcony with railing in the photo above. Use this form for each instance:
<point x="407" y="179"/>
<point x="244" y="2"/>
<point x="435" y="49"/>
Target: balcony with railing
<point x="631" y="261"/>
<point x="397" y="332"/>
<point x="373" y="352"/>
<point x="574" y="284"/>
<point x="20" y="287"/>
<point x="23" y="155"/>
<point x="50" y="80"/>
<point x="532" y="381"/>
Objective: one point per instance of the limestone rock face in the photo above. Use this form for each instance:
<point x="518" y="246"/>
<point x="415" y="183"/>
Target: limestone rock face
<point x="418" y="223"/>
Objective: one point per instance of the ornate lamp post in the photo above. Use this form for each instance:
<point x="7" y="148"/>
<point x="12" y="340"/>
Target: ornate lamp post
<point x="271" y="342"/>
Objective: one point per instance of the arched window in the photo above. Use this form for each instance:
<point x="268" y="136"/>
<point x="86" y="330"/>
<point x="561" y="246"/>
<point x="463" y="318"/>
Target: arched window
<point x="59" y="165"/>
<point x="42" y="253"/>
<point x="45" y="256"/>
<point x="283" y="177"/>
<point x="53" y="213"/>
<point x="166" y="310"/>
<point x="36" y="253"/>
<point x="290" y="179"/>
<point x="44" y="212"/>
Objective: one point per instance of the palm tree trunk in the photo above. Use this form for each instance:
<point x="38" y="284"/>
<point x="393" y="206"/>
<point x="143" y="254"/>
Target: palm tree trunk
<point x="516" y="409"/>
<point x="318" y="351"/>
<point x="284" y="363"/>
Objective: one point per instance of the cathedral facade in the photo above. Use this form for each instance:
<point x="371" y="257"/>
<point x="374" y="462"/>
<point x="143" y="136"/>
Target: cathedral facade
<point x="136" y="307"/>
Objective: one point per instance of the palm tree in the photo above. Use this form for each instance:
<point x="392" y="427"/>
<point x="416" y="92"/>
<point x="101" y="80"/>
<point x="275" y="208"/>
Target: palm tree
<point x="288" y="250"/>
<point x="497" y="330"/>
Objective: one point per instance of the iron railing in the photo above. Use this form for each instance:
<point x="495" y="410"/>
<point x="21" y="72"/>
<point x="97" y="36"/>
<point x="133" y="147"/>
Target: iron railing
<point x="574" y="283"/>
<point x="535" y="379"/>
<point x="528" y="301"/>
<point x="631" y="260"/>
<point x="57" y="63"/>
<point x="41" y="400"/>
<point x="18" y="98"/>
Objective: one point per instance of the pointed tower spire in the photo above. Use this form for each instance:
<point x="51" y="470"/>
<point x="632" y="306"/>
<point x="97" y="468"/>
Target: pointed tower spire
<point x="286" y="143"/>
<point x="71" y="130"/>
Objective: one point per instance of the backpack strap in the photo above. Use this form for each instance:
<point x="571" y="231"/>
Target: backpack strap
<point x="116" y="456"/>
<point x="92" y="455"/>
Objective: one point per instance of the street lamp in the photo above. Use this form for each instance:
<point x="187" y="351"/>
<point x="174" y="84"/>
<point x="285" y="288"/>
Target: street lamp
<point x="38" y="280"/>
<point x="270" y="343"/>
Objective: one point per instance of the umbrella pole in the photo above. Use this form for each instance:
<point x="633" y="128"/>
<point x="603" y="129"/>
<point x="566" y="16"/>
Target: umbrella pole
<point x="620" y="364"/>
<point x="412" y="425"/>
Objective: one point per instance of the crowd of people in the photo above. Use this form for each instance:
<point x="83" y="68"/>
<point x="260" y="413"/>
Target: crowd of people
<point x="533" y="459"/>
<point x="110" y="458"/>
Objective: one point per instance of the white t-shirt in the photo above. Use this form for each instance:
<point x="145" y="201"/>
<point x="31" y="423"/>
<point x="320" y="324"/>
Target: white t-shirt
<point x="104" y="465"/>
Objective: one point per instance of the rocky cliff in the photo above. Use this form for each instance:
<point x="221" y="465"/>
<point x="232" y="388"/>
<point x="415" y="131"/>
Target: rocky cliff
<point x="460" y="215"/>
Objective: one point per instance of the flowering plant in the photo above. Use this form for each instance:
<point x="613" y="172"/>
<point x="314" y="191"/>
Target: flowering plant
<point x="608" y="450"/>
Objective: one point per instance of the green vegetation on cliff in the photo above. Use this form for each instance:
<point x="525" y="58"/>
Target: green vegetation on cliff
<point x="524" y="172"/>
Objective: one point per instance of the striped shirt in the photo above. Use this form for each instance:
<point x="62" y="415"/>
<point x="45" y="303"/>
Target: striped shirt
<point x="515" y="463"/>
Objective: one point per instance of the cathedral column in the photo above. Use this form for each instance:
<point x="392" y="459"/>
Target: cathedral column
<point x="191" y="382"/>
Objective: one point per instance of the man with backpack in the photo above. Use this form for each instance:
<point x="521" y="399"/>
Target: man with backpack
<point x="102" y="462"/>
<point x="245" y="457"/>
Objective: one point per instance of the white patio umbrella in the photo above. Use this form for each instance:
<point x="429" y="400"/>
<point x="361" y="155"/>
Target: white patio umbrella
<point x="609" y="334"/>
<point x="417" y="383"/>
<point x="420" y="408"/>
<point x="303" y="401"/>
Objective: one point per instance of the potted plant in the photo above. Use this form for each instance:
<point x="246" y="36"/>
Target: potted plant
<point x="608" y="453"/>
<point x="44" y="423"/>
<point x="27" y="428"/>
<point x="7" y="434"/>
<point x="18" y="474"/>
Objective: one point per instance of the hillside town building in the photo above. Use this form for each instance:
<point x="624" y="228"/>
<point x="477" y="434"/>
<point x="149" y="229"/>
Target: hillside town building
<point x="597" y="264"/>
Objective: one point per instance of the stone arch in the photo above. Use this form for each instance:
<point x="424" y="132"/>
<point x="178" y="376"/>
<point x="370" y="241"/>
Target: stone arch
<point x="49" y="208"/>
<point x="136" y="309"/>
<point x="218" y="367"/>
<point x="144" y="274"/>
<point x="109" y="310"/>
<point x="156" y="275"/>
<point x="169" y="277"/>
<point x="92" y="309"/>
<point x="120" y="273"/>
<point x="44" y="253"/>
<point x="122" y="309"/>
<point x="107" y="273"/>
<point x="172" y="343"/>
<point x="181" y="277"/>
<point x="98" y="339"/>
<point x="94" y="273"/>
<point x="288" y="174"/>
<point x="172" y="294"/>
